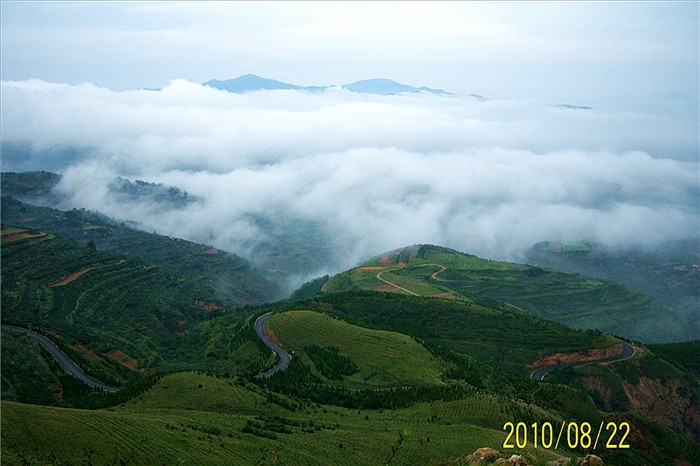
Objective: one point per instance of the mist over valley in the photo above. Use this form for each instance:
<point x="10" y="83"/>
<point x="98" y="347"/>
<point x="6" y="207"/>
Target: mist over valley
<point x="336" y="176"/>
<point x="356" y="233"/>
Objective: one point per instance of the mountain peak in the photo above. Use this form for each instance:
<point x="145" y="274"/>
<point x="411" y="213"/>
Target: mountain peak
<point x="385" y="86"/>
<point x="379" y="86"/>
<point x="249" y="82"/>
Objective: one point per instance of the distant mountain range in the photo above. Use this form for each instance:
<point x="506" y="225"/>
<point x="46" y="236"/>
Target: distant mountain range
<point x="251" y="82"/>
<point x="572" y="107"/>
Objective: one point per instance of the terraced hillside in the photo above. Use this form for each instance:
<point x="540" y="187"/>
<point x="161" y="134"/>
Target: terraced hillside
<point x="284" y="249"/>
<point x="230" y="275"/>
<point x="116" y="316"/>
<point x="556" y="295"/>
<point x="423" y="375"/>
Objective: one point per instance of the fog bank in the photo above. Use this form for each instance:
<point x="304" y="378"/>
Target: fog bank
<point x="354" y="175"/>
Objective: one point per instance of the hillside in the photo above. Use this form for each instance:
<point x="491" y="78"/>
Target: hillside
<point x="647" y="384"/>
<point x="195" y="418"/>
<point x="285" y="249"/>
<point x="374" y="358"/>
<point x="231" y="275"/>
<point x="670" y="271"/>
<point x="425" y="374"/>
<point x="550" y="294"/>
<point x="116" y="316"/>
<point x="191" y="418"/>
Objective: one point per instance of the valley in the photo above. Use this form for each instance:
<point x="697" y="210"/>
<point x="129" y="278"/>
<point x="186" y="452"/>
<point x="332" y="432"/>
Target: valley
<point x="419" y="355"/>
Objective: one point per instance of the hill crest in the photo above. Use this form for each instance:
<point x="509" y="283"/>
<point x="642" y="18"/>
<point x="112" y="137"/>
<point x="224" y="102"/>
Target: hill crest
<point x="377" y="86"/>
<point x="565" y="297"/>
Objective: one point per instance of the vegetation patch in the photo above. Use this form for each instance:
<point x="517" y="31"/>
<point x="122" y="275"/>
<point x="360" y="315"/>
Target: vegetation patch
<point x="123" y="359"/>
<point x="330" y="363"/>
<point x="382" y="358"/>
<point x="74" y="276"/>
<point x="550" y="294"/>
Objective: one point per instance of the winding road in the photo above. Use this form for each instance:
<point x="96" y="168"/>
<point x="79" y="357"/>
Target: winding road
<point x="627" y="352"/>
<point x="539" y="374"/>
<point x="391" y="269"/>
<point x="70" y="366"/>
<point x="283" y="359"/>
<point x="379" y="277"/>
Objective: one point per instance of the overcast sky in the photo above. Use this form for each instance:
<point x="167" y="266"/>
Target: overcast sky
<point x="561" y="51"/>
<point x="364" y="173"/>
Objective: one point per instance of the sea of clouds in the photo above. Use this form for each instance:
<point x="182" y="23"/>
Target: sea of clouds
<point x="370" y="173"/>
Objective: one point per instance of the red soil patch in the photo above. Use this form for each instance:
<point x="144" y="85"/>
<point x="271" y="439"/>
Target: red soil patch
<point x="71" y="277"/>
<point x="182" y="333"/>
<point x="52" y="333"/>
<point x="89" y="352"/>
<point x="369" y="269"/>
<point x="16" y="237"/>
<point x="271" y="335"/>
<point x="590" y="355"/>
<point x="12" y="231"/>
<point x="385" y="287"/>
<point x="681" y="462"/>
<point x="123" y="359"/>
<point x="211" y="251"/>
<point x="207" y="306"/>
<point x="384" y="260"/>
<point x="181" y="322"/>
<point x="10" y="235"/>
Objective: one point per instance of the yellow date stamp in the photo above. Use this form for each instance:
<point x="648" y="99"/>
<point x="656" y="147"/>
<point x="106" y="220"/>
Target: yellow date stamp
<point x="572" y="434"/>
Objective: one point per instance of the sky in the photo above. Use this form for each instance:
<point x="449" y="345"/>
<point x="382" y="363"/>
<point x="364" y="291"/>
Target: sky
<point x="361" y="174"/>
<point x="563" y="51"/>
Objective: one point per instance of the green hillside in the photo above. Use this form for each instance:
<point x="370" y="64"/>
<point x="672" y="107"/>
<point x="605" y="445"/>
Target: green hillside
<point x="230" y="275"/>
<point x="115" y="316"/>
<point x="284" y="249"/>
<point x="224" y="421"/>
<point x="380" y="358"/>
<point x="423" y="375"/>
<point x="669" y="271"/>
<point x="555" y="295"/>
<point x="191" y="418"/>
<point x="511" y="340"/>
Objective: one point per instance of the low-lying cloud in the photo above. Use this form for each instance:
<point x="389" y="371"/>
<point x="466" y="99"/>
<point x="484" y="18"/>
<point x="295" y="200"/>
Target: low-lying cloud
<point x="361" y="174"/>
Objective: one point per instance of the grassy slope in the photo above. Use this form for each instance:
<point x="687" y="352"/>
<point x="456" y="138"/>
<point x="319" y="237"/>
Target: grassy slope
<point x="197" y="419"/>
<point x="550" y="294"/>
<point x="507" y="339"/>
<point x="200" y="419"/>
<point x="384" y="358"/>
